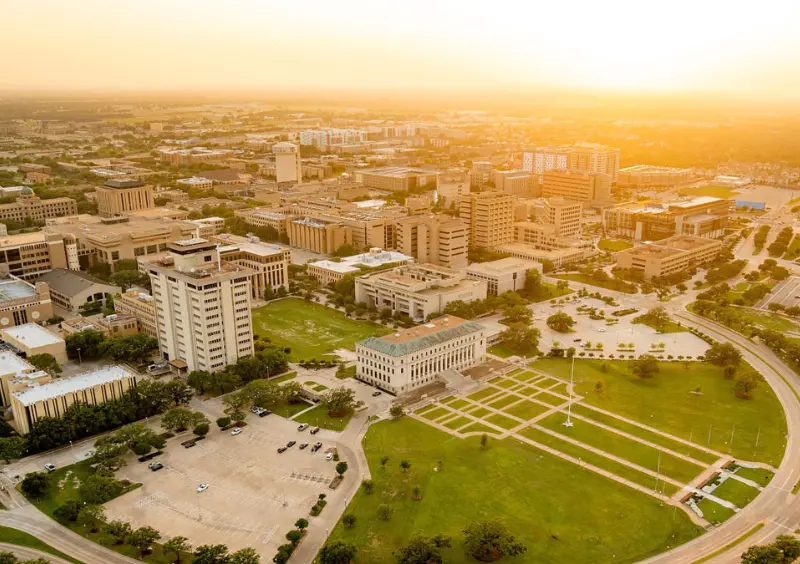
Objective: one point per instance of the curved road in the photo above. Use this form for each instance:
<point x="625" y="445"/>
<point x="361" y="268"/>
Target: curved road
<point x="776" y="506"/>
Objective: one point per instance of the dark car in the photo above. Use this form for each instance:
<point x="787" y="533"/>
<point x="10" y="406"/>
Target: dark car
<point x="303" y="445"/>
<point x="376" y="393"/>
<point x="155" y="466"/>
<point x="578" y="340"/>
<point x="282" y="449"/>
<point x="291" y="444"/>
<point x="189" y="444"/>
<point x="316" y="447"/>
<point x="264" y="413"/>
<point x="314" y="431"/>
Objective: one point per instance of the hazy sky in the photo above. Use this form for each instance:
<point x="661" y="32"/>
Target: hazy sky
<point x="223" y="44"/>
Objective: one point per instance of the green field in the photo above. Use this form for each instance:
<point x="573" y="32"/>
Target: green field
<point x="310" y="330"/>
<point x="500" y="350"/>
<point x="613" y="284"/>
<point x="793" y="251"/>
<point x="665" y="403"/>
<point x="526" y="410"/>
<point x="713" y="191"/>
<point x="318" y="417"/>
<point x="736" y="492"/>
<point x="714" y="512"/>
<point x="758" y="475"/>
<point x="561" y="512"/>
<point x="21" y="538"/>
<point x="614" y="245"/>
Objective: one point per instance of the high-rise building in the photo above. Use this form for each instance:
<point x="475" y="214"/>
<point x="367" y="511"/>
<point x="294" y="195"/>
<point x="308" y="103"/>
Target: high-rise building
<point x="269" y="262"/>
<point x="29" y="255"/>
<point x="514" y="182"/>
<point x="481" y="173"/>
<point x="591" y="188"/>
<point x="287" y="162"/>
<point x="543" y="159"/>
<point x="117" y="197"/>
<point x="490" y="217"/>
<point x="451" y="185"/>
<point x="590" y="157"/>
<point x="436" y="239"/>
<point x="202" y="306"/>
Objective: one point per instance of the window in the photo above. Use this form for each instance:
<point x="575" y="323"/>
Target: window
<point x="207" y="258"/>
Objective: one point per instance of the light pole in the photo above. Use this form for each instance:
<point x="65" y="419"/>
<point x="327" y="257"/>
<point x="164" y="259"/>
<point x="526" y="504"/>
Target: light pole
<point x="79" y="356"/>
<point x="568" y="422"/>
<point x="199" y="513"/>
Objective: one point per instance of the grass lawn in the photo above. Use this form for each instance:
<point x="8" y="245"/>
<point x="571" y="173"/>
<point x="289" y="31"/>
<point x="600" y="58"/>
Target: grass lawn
<point x="643" y="455"/>
<point x="793" y="251"/>
<point x="459" y="403"/>
<point x="524" y="376"/>
<point x="283" y="377"/>
<point x="483" y="394"/>
<point x="426" y="409"/>
<point x="713" y="512"/>
<point x="764" y="320"/>
<point x="458" y="422"/>
<point x="21" y="538"/>
<point x="310" y="330"/>
<point x="504" y="401"/>
<point x="435" y="413"/>
<point x="758" y="475"/>
<point x="526" y="410"/>
<point x="480" y="412"/>
<point x="288" y="410"/>
<point x="665" y="402"/>
<point x="713" y="191"/>
<point x="502" y="421"/>
<point x="670" y="327"/>
<point x="614" y="245"/>
<point x="736" y="492"/>
<point x="593" y="518"/>
<point x="349" y="372"/>
<point x="547" y="397"/>
<point x="589" y="457"/>
<point x="479" y="428"/>
<point x="501" y="351"/>
<point x="550" y="291"/>
<point x="613" y="284"/>
<point x="505" y="383"/>
<point x="319" y="417"/>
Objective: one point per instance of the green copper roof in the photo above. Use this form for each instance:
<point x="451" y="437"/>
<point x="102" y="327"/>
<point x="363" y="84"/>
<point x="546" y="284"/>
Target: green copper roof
<point x="421" y="343"/>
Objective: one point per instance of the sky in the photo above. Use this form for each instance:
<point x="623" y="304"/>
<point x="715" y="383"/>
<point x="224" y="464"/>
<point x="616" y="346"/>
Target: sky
<point x="609" y="45"/>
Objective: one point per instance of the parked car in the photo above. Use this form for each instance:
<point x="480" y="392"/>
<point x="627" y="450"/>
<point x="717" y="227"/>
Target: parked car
<point x="49" y="467"/>
<point x="155" y="466"/>
<point x="314" y="431"/>
<point x="255" y="410"/>
<point x="201" y="488"/>
<point x="281" y="450"/>
<point x="376" y="393"/>
<point x="189" y="444"/>
<point x="291" y="444"/>
<point x="303" y="445"/>
<point x="329" y="456"/>
<point x="303" y="427"/>
<point x="316" y="447"/>
<point x="236" y="431"/>
<point x="602" y="329"/>
<point x="264" y="413"/>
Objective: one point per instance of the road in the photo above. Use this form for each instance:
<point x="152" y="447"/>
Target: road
<point x="776" y="506"/>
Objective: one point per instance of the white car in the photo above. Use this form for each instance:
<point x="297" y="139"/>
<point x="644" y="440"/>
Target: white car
<point x="329" y="456"/>
<point x="49" y="467"/>
<point x="236" y="431"/>
<point x="201" y="488"/>
<point x="602" y="330"/>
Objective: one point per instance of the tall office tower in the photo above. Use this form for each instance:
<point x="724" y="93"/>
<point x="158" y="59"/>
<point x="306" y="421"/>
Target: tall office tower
<point x="563" y="215"/>
<point x="543" y="159"/>
<point x="490" y="217"/>
<point x="287" y="162"/>
<point x="116" y="197"/>
<point x="592" y="188"/>
<point x="202" y="306"/>
<point x="437" y="239"/>
<point x="481" y="173"/>
<point x="592" y="157"/>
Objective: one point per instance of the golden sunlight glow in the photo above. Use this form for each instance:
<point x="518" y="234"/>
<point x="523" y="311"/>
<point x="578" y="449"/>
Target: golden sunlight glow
<point x="615" y="44"/>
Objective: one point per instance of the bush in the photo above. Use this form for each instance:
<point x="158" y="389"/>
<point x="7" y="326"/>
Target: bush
<point x="201" y="430"/>
<point x="69" y="511"/>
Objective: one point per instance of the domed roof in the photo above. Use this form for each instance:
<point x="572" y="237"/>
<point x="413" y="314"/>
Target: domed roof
<point x="27" y="191"/>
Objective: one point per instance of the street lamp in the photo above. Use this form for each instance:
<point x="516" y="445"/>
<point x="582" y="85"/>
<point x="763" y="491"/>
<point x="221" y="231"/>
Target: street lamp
<point x="79" y="356"/>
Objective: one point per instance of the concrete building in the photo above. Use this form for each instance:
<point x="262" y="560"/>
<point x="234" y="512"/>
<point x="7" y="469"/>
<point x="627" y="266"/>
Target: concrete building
<point x="31" y="339"/>
<point x="328" y="271"/>
<point x="435" y="239"/>
<point x="117" y="197"/>
<point x="544" y="159"/>
<point x="29" y="255"/>
<point x="514" y="182"/>
<point x="112" y="326"/>
<point x="318" y="235"/>
<point x="34" y="395"/>
<point x="417" y="290"/>
<point x="21" y="302"/>
<point x="587" y="157"/>
<point x="269" y="262"/>
<point x="397" y="178"/>
<point x="589" y="188"/>
<point x="669" y="256"/>
<point x="73" y="290"/>
<point x="194" y="155"/>
<point x="416" y="357"/>
<point x="558" y="256"/>
<point x="288" y="167"/>
<point x="265" y="218"/>
<point x="504" y="275"/>
<point x="481" y="174"/>
<point x="139" y="305"/>
<point x="490" y="217"/>
<point x="30" y="207"/>
<point x="703" y="216"/>
<point x="208" y="226"/>
<point x="202" y="307"/>
<point x="451" y="185"/>
<point x="647" y="177"/>
<point x="197" y="182"/>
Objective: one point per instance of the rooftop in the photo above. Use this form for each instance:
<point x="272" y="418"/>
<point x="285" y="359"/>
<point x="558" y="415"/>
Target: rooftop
<point x="502" y="266"/>
<point x="399" y="171"/>
<point x="671" y="246"/>
<point x="62" y="387"/>
<point x="12" y="364"/>
<point x="70" y="282"/>
<point x="15" y="290"/>
<point x="32" y="335"/>
<point x="422" y="337"/>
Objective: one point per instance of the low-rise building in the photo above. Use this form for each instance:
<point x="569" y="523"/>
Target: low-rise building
<point x="31" y="339"/>
<point x="331" y="271"/>
<point x="558" y="257"/>
<point x="268" y="262"/>
<point x="504" y="275"/>
<point x="318" y="235"/>
<point x="139" y="304"/>
<point x="73" y="290"/>
<point x="514" y="182"/>
<point x="197" y="182"/>
<point x="397" y="178"/>
<point x="208" y="226"/>
<point x="648" y="177"/>
<point x="117" y="197"/>
<point x="112" y="326"/>
<point x="30" y="207"/>
<point x="34" y="395"/>
<point x="704" y="216"/>
<point x="21" y="302"/>
<point x="413" y="358"/>
<point x="669" y="256"/>
<point x="29" y="255"/>
<point x="417" y="290"/>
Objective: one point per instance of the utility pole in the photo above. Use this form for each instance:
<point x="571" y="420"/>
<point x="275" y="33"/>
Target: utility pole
<point x="568" y="422"/>
<point x="730" y="446"/>
<point x="658" y="470"/>
<point x="709" y="434"/>
<point x="758" y="435"/>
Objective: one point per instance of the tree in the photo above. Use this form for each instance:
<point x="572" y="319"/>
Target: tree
<point x="789" y="546"/>
<point x="405" y="465"/>
<point x="301" y="523"/>
<point x="92" y="516"/>
<point x="385" y="512"/>
<point x="384" y="461"/>
<point x="519" y="314"/>
<point x="423" y="550"/>
<point x="177" y="545"/>
<point x="560" y="322"/>
<point x="521" y="339"/>
<point x="36" y="485"/>
<point x="396" y="411"/>
<point x="723" y="354"/>
<point x="294" y="536"/>
<point x="768" y="554"/>
<point x="120" y="531"/>
<point x="245" y="556"/>
<point x="97" y="489"/>
<point x="125" y="278"/>
<point x="489" y="541"/>
<point x="12" y="447"/>
<point x="349" y="521"/>
<point x="657" y="318"/>
<point x="646" y="366"/>
<point x="211" y="554"/>
<point x="337" y="552"/>
<point x="180" y="419"/>
<point x="178" y="391"/>
<point x="745" y="385"/>
<point x="200" y="380"/>
<point x="69" y="511"/>
<point x="367" y="486"/>
<point x="201" y="430"/>
<point x="339" y="401"/>
<point x="143" y="538"/>
<point x="341" y="468"/>
<point x="237" y="400"/>
<point x="86" y="344"/>
<point x="45" y="362"/>
<point x="484" y="441"/>
<point x="223" y="422"/>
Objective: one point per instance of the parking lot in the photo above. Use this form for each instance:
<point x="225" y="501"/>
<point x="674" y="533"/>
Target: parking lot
<point x="254" y="494"/>
<point x="786" y="293"/>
